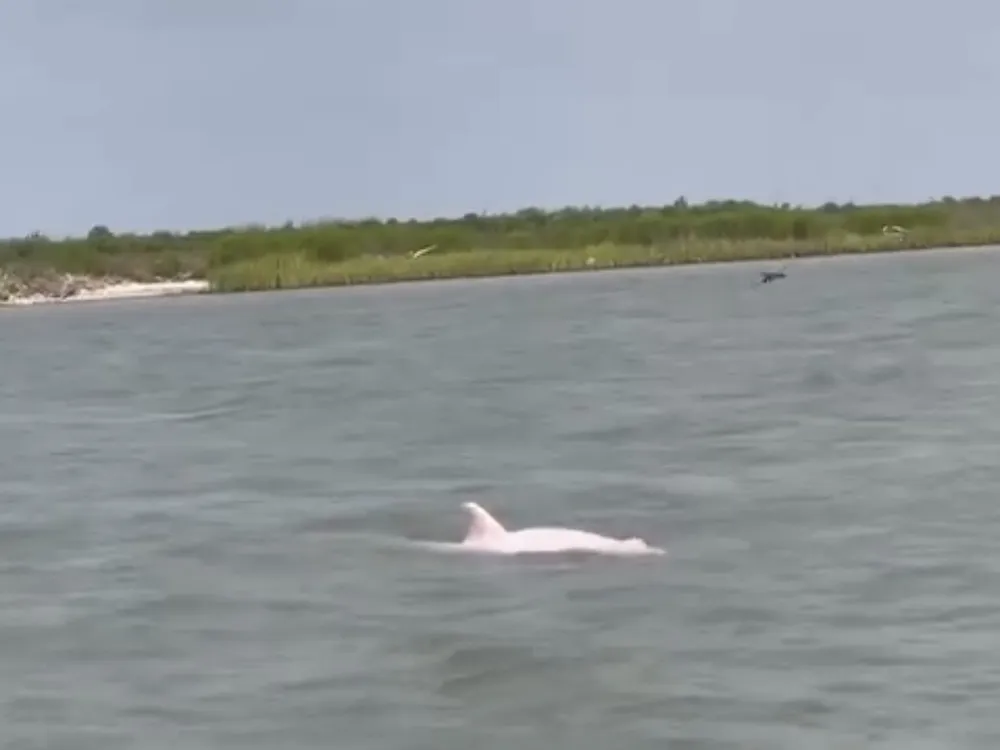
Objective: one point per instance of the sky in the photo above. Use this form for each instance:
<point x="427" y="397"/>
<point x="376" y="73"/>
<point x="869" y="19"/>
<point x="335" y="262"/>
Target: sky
<point x="144" y="115"/>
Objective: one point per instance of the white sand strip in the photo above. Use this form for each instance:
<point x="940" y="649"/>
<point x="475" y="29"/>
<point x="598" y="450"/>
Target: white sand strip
<point x="121" y="290"/>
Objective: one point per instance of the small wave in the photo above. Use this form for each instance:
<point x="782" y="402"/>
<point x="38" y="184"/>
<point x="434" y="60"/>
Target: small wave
<point x="65" y="419"/>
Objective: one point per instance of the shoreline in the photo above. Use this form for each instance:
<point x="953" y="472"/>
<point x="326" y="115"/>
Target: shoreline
<point x="36" y="269"/>
<point x="89" y="289"/>
<point x="82" y="288"/>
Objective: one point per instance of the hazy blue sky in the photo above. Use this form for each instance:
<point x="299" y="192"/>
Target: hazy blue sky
<point x="144" y="114"/>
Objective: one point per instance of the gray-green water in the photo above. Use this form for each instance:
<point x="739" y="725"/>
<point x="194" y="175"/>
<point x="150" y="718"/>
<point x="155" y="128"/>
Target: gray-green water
<point x="206" y="502"/>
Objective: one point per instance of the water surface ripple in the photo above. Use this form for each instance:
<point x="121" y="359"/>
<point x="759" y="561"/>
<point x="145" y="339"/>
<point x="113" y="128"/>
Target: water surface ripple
<point x="207" y="502"/>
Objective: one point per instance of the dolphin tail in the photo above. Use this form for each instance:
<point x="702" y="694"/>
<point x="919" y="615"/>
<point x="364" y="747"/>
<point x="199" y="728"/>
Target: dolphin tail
<point x="481" y="523"/>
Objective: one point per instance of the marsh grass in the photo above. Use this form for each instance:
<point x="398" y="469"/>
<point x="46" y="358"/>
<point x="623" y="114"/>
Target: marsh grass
<point x="529" y="241"/>
<point x="288" y="271"/>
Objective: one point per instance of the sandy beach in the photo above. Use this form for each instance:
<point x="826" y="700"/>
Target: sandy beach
<point x="112" y="290"/>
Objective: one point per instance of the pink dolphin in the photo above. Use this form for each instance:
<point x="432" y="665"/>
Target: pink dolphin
<point x="486" y="534"/>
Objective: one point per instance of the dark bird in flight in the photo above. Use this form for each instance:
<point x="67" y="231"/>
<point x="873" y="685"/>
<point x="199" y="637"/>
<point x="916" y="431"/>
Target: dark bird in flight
<point x="766" y="277"/>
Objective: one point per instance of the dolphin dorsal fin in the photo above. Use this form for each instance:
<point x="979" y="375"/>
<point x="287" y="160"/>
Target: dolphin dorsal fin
<point x="481" y="523"/>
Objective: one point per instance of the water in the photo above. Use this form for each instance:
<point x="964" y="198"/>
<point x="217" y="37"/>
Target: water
<point x="207" y="502"/>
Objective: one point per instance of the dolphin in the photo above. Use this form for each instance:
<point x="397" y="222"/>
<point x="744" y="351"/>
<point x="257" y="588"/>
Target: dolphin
<point x="486" y="534"/>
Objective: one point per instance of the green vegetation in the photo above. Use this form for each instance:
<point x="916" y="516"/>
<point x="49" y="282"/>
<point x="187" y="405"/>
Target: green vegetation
<point x="529" y="241"/>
